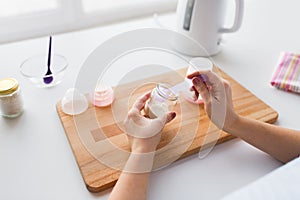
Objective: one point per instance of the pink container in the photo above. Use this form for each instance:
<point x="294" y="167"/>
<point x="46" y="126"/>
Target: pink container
<point x="102" y="96"/>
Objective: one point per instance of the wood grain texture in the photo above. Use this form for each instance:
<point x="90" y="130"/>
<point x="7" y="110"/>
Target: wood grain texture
<point x="100" y="146"/>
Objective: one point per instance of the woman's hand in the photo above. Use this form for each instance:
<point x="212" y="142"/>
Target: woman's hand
<point x="281" y="143"/>
<point x="217" y="97"/>
<point x="144" y="133"/>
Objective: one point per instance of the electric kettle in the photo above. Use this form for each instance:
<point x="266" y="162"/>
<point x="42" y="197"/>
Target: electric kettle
<point x="202" y="22"/>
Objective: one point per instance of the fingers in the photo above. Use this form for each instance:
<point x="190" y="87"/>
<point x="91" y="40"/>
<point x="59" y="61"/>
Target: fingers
<point x="207" y="76"/>
<point x="193" y="89"/>
<point x="199" y="73"/>
<point x="194" y="74"/>
<point x="169" y="117"/>
<point x="163" y="120"/>
<point x="201" y="88"/>
<point x="140" y="102"/>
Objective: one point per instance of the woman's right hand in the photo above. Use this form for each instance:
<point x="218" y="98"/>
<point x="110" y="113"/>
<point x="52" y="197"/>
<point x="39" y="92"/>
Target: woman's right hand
<point x="217" y="97"/>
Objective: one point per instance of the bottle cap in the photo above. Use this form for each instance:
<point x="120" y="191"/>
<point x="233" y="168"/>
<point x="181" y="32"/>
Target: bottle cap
<point x="8" y="86"/>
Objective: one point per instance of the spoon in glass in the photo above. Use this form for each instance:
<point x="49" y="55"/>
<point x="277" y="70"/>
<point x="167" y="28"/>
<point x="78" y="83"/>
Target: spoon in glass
<point x="48" y="78"/>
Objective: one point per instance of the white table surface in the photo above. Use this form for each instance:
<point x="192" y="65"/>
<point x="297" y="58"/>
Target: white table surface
<point x="36" y="161"/>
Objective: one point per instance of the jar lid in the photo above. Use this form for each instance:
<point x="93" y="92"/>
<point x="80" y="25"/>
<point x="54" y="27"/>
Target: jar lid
<point x="8" y="86"/>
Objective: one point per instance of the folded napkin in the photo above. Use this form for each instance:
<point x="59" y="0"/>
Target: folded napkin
<point x="287" y="72"/>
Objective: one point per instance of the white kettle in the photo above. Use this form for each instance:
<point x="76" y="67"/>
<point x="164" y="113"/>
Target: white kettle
<point x="202" y="21"/>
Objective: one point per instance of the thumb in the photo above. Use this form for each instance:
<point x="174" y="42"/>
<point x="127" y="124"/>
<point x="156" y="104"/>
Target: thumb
<point x="201" y="89"/>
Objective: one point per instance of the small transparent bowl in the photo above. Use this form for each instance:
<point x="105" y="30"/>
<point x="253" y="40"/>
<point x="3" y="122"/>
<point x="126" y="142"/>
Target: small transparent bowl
<point x="74" y="103"/>
<point x="35" y="69"/>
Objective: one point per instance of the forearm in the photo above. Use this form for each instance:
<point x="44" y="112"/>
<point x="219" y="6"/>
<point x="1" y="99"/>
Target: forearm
<point x="281" y="143"/>
<point x="130" y="187"/>
<point x="133" y="182"/>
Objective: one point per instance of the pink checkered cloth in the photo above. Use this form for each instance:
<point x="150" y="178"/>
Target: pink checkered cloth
<point x="287" y="72"/>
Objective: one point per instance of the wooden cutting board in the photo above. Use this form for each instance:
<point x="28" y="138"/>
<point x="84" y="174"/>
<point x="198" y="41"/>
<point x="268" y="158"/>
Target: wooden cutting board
<point x="100" y="146"/>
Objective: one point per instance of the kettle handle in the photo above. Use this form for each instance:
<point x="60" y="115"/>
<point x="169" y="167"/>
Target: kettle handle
<point x="239" y="12"/>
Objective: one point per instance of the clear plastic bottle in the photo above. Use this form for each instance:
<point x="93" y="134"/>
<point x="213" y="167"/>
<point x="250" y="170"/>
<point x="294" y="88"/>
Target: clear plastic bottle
<point x="162" y="101"/>
<point x="11" y="103"/>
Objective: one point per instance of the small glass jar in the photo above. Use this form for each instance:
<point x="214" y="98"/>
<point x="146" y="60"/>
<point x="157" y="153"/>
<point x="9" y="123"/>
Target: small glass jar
<point x="162" y="101"/>
<point x="102" y="96"/>
<point x="11" y="104"/>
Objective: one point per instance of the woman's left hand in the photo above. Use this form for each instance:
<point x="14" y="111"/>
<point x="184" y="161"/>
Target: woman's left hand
<point x="144" y="133"/>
